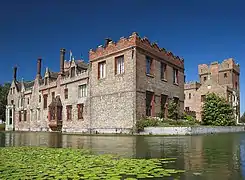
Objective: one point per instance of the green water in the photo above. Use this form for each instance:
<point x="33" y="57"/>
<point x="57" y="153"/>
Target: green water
<point x="218" y="157"/>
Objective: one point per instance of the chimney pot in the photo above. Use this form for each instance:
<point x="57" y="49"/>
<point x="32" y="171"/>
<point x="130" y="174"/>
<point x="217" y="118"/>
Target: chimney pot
<point x="107" y="40"/>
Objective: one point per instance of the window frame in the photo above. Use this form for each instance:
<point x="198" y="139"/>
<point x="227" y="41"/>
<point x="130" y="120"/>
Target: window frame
<point x="102" y="70"/>
<point x="175" y="76"/>
<point x="45" y="101"/>
<point x="163" y="69"/>
<point x="149" y="65"/>
<point x="119" y="65"/>
<point x="69" y="112"/>
<point x="82" y="92"/>
<point x="80" y="110"/>
<point x="66" y="93"/>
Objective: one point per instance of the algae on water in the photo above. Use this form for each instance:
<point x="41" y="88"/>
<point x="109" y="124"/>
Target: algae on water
<point x="57" y="163"/>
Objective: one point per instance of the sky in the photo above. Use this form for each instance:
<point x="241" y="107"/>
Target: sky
<point x="199" y="31"/>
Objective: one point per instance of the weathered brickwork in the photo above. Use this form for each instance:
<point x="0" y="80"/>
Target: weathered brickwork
<point x="116" y="82"/>
<point x="220" y="78"/>
<point x="154" y="83"/>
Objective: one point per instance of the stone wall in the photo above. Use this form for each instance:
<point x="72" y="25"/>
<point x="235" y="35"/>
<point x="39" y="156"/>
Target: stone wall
<point x="191" y="130"/>
<point x="112" y="98"/>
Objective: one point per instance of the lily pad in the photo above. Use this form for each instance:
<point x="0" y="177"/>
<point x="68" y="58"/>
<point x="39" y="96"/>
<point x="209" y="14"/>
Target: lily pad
<point x="58" y="163"/>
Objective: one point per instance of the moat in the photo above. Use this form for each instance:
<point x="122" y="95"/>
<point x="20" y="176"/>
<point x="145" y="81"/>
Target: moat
<point x="220" y="156"/>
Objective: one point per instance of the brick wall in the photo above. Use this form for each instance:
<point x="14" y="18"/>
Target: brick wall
<point x="155" y="84"/>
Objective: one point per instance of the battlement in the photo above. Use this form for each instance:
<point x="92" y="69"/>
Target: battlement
<point x="134" y="41"/>
<point x="192" y="85"/>
<point x="227" y="64"/>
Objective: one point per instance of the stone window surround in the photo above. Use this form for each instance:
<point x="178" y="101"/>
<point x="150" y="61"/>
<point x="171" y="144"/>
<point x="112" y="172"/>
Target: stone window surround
<point x="82" y="90"/>
<point x="175" y="76"/>
<point x="119" y="65"/>
<point x="163" y="69"/>
<point x="80" y="109"/>
<point x="69" y="112"/>
<point x="66" y="93"/>
<point x="45" y="101"/>
<point x="101" y="69"/>
<point x="149" y="66"/>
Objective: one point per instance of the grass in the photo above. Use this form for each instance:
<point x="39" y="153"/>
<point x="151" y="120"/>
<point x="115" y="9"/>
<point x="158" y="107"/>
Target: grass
<point x="58" y="163"/>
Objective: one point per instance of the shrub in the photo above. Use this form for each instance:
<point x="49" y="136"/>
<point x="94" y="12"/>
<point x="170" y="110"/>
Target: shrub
<point x="173" y="110"/>
<point x="217" y="112"/>
<point x="146" y="122"/>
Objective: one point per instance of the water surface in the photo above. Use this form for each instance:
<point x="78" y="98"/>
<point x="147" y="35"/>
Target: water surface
<point x="219" y="157"/>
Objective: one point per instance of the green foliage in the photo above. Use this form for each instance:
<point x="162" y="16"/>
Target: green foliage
<point x="2" y="127"/>
<point x="146" y="122"/>
<point x="180" y="122"/>
<point x="243" y="118"/>
<point x="160" y="122"/>
<point x="173" y="110"/>
<point x="189" y="118"/>
<point x="58" y="163"/>
<point x="4" y="89"/>
<point x="161" y="114"/>
<point x="217" y="112"/>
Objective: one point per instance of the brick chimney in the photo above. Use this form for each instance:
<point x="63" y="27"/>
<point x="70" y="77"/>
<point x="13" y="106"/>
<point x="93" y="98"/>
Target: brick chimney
<point x="39" y="65"/>
<point x="15" y="73"/>
<point x="107" y="40"/>
<point x="62" y="60"/>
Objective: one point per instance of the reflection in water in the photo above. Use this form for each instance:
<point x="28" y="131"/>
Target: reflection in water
<point x="203" y="157"/>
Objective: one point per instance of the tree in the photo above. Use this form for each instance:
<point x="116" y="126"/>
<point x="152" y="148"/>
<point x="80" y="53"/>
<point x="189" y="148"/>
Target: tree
<point x="173" y="110"/>
<point x="243" y="118"/>
<point x="4" y="89"/>
<point x="217" y="111"/>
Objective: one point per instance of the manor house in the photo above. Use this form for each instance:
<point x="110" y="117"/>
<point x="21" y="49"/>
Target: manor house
<point x="123" y="82"/>
<point x="222" y="79"/>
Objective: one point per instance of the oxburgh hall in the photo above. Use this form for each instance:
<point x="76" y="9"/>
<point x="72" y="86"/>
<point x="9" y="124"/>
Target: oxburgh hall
<point x="123" y="82"/>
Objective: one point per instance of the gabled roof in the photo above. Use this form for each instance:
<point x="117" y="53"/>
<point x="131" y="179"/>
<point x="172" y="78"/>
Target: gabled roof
<point x="53" y="75"/>
<point x="81" y="64"/>
<point x="27" y="85"/>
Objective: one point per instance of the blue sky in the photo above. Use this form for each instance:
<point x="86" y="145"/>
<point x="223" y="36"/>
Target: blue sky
<point x="198" y="31"/>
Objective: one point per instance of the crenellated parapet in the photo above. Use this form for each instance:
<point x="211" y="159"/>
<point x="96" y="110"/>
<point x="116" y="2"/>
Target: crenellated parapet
<point x="203" y="69"/>
<point x="134" y="41"/>
<point x="192" y="85"/>
<point x="227" y="64"/>
<point x="113" y="47"/>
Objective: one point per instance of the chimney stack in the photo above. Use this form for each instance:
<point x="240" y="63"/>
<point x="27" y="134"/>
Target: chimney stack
<point x="15" y="73"/>
<point x="39" y="66"/>
<point x="107" y="40"/>
<point x="62" y="60"/>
